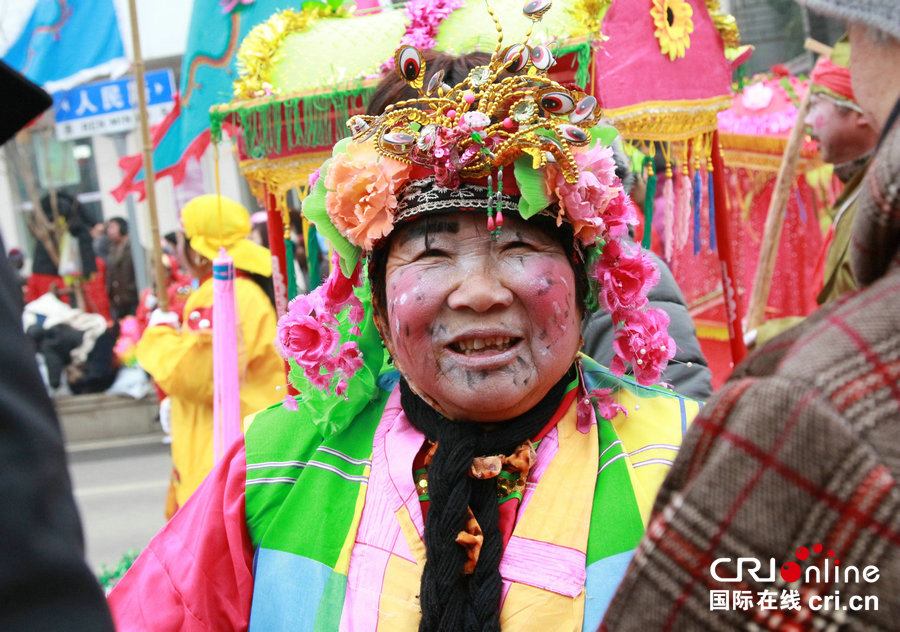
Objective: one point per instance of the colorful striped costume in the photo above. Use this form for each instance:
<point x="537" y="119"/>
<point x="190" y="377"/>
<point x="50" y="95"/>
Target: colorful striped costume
<point x="337" y="527"/>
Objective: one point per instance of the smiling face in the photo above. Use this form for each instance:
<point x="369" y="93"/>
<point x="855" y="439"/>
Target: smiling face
<point x="483" y="328"/>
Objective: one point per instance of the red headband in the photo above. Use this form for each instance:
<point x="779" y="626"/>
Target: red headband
<point x="833" y="77"/>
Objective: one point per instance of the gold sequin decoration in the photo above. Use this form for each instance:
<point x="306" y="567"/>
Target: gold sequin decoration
<point x="507" y="487"/>
<point x="262" y="48"/>
<point x="725" y="24"/>
<point x="586" y="17"/>
<point x="421" y="477"/>
<point x="496" y="100"/>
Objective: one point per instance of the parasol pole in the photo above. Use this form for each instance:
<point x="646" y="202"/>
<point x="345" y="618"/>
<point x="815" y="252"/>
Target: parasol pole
<point x="762" y="283"/>
<point x="726" y="255"/>
<point x="275" y="229"/>
<point x="149" y="175"/>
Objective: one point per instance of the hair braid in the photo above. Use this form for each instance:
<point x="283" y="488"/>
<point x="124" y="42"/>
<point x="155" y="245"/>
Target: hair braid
<point x="450" y="600"/>
<point x="485" y="584"/>
<point x="443" y="590"/>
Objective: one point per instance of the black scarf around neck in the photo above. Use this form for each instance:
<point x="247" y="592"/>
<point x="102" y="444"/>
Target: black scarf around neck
<point x="451" y="600"/>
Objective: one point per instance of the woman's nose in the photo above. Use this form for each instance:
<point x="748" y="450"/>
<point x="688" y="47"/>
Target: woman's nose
<point x="480" y="290"/>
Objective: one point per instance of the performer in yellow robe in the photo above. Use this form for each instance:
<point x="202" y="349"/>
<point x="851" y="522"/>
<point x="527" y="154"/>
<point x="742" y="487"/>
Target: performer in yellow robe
<point x="181" y="361"/>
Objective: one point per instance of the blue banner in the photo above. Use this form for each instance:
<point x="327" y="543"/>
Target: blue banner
<point x="65" y="42"/>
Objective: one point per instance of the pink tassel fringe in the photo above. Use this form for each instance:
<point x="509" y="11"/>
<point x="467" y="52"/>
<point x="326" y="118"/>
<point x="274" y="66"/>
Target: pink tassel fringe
<point x="668" y="218"/>
<point x="226" y="383"/>
<point x="683" y="212"/>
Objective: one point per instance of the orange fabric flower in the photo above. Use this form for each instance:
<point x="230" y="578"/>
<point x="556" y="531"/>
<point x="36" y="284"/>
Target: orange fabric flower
<point x="361" y="196"/>
<point x="471" y="539"/>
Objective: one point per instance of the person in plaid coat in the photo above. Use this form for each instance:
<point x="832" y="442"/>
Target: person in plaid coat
<point x="782" y="510"/>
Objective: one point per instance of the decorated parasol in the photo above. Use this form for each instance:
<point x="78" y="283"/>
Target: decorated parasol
<point x="756" y="130"/>
<point x="662" y="74"/>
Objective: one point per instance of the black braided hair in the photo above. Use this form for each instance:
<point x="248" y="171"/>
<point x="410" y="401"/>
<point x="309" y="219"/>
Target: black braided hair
<point x="450" y="600"/>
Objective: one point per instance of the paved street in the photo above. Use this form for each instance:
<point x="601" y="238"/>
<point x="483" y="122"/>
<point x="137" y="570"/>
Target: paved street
<point x="120" y="487"/>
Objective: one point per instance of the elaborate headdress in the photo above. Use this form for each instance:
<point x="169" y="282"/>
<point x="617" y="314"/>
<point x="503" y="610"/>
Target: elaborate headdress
<point x="506" y="139"/>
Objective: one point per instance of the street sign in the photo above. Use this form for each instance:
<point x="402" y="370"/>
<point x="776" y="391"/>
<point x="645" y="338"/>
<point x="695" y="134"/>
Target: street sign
<point x="108" y="107"/>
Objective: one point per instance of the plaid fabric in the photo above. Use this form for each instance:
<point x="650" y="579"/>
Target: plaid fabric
<point x="800" y="448"/>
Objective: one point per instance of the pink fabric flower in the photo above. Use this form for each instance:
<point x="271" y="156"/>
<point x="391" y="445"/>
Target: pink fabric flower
<point x="314" y="177"/>
<point x="305" y="340"/>
<point x="290" y="403"/>
<point x="625" y="275"/>
<point x="605" y="403"/>
<point x="425" y="16"/>
<point x="337" y="291"/>
<point x="446" y="161"/>
<point x="361" y="196"/>
<point x="318" y="380"/>
<point x="349" y="359"/>
<point x="645" y="344"/>
<point x="585" y="201"/>
<point x="620" y="214"/>
<point x="308" y="333"/>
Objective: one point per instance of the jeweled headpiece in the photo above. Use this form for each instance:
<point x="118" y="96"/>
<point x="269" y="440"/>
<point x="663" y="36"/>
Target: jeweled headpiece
<point x="498" y="113"/>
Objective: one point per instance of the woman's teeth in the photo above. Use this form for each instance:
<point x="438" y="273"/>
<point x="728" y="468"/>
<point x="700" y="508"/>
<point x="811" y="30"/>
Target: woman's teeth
<point x="475" y="345"/>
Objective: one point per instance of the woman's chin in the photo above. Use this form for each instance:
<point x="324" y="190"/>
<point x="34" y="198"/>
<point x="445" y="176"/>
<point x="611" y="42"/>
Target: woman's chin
<point x="489" y="402"/>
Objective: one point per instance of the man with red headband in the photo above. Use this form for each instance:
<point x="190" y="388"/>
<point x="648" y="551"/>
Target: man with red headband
<point x="846" y="140"/>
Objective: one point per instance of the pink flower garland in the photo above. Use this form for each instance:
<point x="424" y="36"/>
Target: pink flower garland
<point x="624" y="275"/>
<point x="596" y="204"/>
<point x="643" y="341"/>
<point x="308" y="333"/>
<point x="600" y="212"/>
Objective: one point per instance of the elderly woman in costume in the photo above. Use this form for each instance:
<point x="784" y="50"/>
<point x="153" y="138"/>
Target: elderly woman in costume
<point x="180" y="357"/>
<point x="485" y="475"/>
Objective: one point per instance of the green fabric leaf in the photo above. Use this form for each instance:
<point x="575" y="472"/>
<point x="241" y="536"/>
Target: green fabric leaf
<point x="533" y="199"/>
<point x="328" y="412"/>
<point x="340" y="147"/>
<point x="314" y="210"/>
<point x="603" y="134"/>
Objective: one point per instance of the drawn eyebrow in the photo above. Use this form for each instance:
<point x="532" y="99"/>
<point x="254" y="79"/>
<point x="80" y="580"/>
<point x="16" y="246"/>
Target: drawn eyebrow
<point x="428" y="229"/>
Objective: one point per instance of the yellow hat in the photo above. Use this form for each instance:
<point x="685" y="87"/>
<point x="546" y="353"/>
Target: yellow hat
<point x="208" y="230"/>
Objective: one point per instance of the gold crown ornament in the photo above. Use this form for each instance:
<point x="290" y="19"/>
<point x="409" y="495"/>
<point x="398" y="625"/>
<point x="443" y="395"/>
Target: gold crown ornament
<point x="498" y="113"/>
